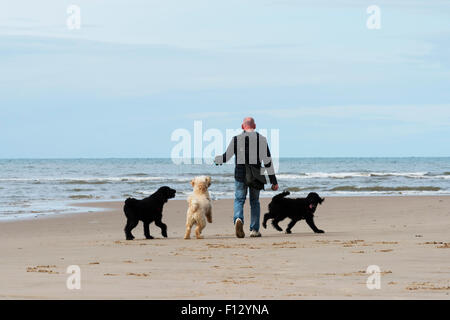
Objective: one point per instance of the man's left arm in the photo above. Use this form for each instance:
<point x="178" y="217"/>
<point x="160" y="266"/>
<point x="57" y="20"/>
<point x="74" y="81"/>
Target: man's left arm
<point x="268" y="163"/>
<point x="231" y="150"/>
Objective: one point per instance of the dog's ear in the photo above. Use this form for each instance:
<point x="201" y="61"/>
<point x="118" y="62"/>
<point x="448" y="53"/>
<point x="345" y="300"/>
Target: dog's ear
<point x="208" y="181"/>
<point x="322" y="200"/>
<point x="160" y="194"/>
<point x="192" y="182"/>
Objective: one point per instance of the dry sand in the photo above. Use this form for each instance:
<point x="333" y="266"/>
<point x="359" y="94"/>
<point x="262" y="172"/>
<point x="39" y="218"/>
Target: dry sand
<point x="407" y="237"/>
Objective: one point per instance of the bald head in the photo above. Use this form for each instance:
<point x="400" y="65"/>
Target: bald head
<point x="248" y="123"/>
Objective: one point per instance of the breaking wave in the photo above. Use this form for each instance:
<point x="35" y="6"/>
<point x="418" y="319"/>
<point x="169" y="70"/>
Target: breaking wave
<point x="384" y="189"/>
<point x="347" y="175"/>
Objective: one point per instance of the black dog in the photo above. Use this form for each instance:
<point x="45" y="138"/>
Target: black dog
<point x="147" y="210"/>
<point x="295" y="209"/>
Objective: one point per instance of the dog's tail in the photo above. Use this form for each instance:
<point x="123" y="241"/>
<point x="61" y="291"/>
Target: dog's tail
<point x="280" y="195"/>
<point x="130" y="202"/>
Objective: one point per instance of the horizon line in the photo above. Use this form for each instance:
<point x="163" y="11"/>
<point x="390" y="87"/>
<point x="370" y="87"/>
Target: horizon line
<point x="192" y="158"/>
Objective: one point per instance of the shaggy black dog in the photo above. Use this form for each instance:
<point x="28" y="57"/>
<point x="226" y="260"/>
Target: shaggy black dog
<point x="147" y="210"/>
<point x="295" y="209"/>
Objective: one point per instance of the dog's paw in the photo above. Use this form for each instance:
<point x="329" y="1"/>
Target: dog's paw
<point x="288" y="231"/>
<point x="149" y="237"/>
<point x="320" y="231"/>
<point x="130" y="238"/>
<point x="164" y="234"/>
<point x="264" y="226"/>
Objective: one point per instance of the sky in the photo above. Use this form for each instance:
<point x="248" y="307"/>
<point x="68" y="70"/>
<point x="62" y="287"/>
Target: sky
<point x="138" y="70"/>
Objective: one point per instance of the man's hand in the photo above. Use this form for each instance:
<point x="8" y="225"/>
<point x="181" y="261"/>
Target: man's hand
<point x="218" y="160"/>
<point x="275" y="187"/>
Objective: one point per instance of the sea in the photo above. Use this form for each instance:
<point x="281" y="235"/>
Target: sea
<point x="31" y="188"/>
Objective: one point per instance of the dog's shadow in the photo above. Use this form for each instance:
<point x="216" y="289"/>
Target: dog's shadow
<point x="284" y="235"/>
<point x="281" y="235"/>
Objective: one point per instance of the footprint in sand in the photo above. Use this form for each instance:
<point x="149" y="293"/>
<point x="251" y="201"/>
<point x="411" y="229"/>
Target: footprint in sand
<point x="351" y="243"/>
<point x="427" y="286"/>
<point x="282" y="243"/>
<point x="439" y="244"/>
<point x="386" y="242"/>
<point x="384" y="250"/>
<point x="132" y="243"/>
<point x="356" y="273"/>
<point x="246" y="267"/>
<point x="138" y="274"/>
<point x="229" y="281"/>
<point x="285" y="244"/>
<point x="42" y="269"/>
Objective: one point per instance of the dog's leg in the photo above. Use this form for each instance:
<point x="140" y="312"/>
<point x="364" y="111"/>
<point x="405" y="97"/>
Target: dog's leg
<point x="290" y="226"/>
<point x="275" y="224"/>
<point x="131" y="224"/>
<point x="189" y="225"/>
<point x="311" y="224"/>
<point x="147" y="230"/>
<point x="163" y="227"/>
<point x="188" y="232"/>
<point x="267" y="216"/>
<point x="198" y="230"/>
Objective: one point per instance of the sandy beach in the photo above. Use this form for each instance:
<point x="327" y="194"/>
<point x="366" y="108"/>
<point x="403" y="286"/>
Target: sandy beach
<point x="407" y="237"/>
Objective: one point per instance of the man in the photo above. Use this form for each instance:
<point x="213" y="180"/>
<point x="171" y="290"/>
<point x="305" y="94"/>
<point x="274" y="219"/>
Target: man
<point x="248" y="148"/>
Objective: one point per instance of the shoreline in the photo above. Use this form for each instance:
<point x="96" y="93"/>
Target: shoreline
<point x="407" y="237"/>
<point x="97" y="205"/>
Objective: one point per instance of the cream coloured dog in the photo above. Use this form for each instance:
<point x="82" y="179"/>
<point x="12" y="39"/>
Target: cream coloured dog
<point x="199" y="206"/>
